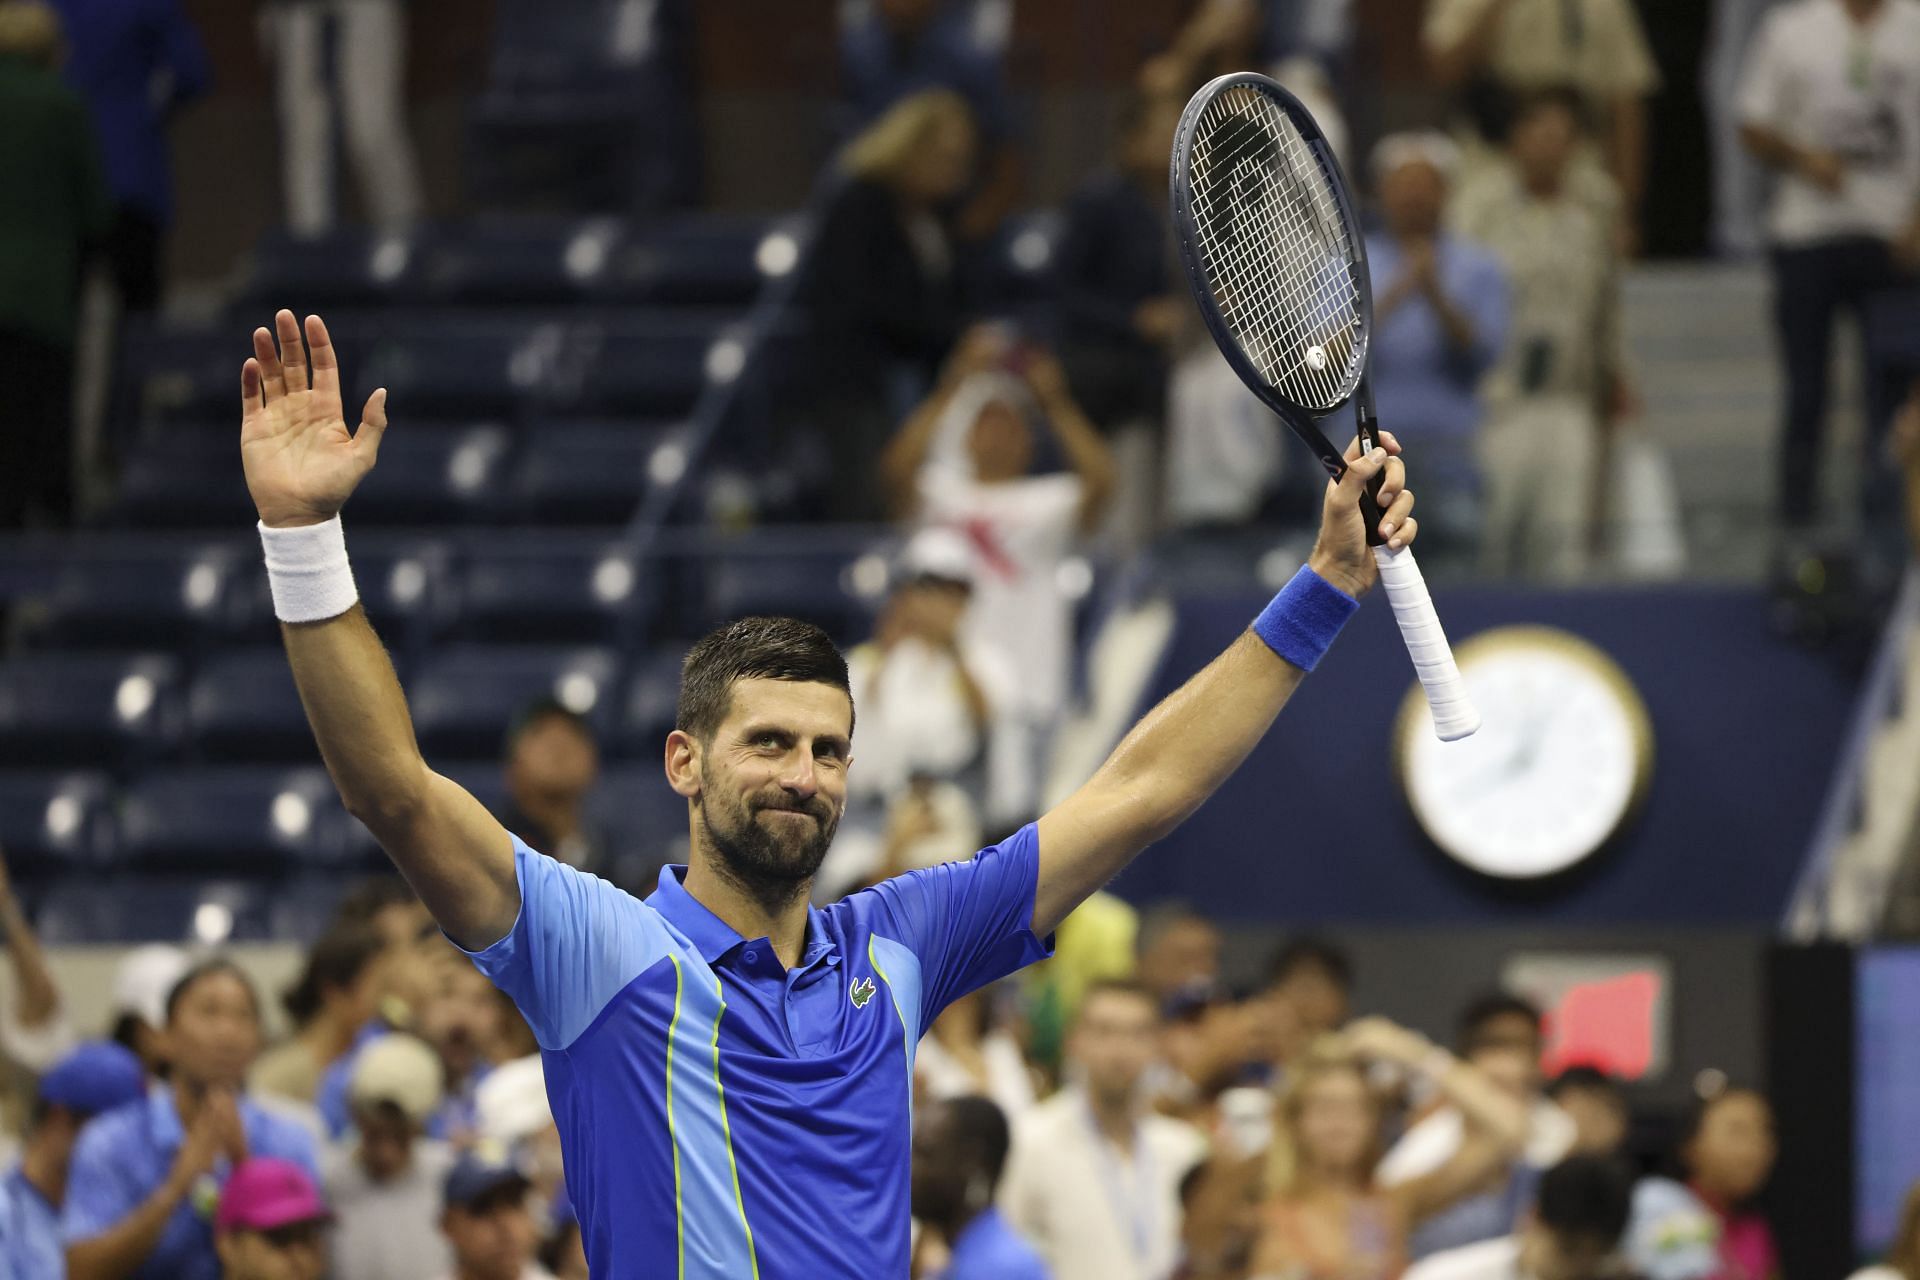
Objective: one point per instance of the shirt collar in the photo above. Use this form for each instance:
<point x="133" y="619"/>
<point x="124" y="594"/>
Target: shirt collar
<point x="713" y="937"/>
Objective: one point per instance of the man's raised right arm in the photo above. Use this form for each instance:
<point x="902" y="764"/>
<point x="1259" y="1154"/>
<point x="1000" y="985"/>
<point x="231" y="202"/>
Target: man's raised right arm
<point x="301" y="465"/>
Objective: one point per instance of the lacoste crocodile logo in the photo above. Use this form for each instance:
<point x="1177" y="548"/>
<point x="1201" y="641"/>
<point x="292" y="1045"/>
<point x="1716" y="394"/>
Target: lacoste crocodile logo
<point x="861" y="992"/>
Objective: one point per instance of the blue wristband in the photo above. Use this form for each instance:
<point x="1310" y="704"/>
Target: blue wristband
<point x="1304" y="618"/>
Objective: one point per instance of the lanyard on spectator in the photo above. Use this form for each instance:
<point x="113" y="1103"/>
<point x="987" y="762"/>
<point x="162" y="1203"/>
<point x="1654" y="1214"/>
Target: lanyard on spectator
<point x="1136" y="1206"/>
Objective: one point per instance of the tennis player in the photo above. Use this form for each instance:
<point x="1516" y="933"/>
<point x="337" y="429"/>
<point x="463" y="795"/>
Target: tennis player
<point x="730" y="1068"/>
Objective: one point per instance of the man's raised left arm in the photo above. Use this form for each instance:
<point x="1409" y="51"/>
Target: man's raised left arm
<point x="1183" y="749"/>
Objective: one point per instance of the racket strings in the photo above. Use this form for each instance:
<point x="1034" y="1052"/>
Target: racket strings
<point x="1278" y="254"/>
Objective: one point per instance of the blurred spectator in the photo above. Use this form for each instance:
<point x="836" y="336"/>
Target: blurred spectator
<point x="1440" y="322"/>
<point x="1178" y="953"/>
<point x="385" y="1183"/>
<point x="370" y="38"/>
<point x="53" y="208"/>
<point x="1827" y="100"/>
<point x="927" y="823"/>
<point x="34" y="1030"/>
<point x="1095" y="942"/>
<point x="1903" y="1253"/>
<point x="1728" y="1152"/>
<point x="95" y="1078"/>
<point x="893" y="49"/>
<point x="136" y="62"/>
<point x="965" y="1052"/>
<point x="388" y="905"/>
<point x="1500" y="1036"/>
<point x="515" y="1115"/>
<point x="487" y="1223"/>
<point x="1122" y="307"/>
<point x="1670" y="1234"/>
<point x="1562" y="378"/>
<point x="1314" y="1205"/>
<point x="334" y="999"/>
<point x="460" y="1018"/>
<point x="564" y="1252"/>
<point x="551" y="767"/>
<point x="143" y="1175"/>
<point x="1593" y="1101"/>
<point x="959" y="1151"/>
<point x="1498" y="52"/>
<point x="964" y="460"/>
<point x="271" y="1223"/>
<point x="881" y="287"/>
<point x="141" y="985"/>
<point x="1315" y="978"/>
<point x="1094" y="1178"/>
<point x="1572" y="1233"/>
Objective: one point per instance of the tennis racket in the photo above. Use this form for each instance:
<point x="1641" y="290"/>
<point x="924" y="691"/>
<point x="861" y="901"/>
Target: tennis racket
<point x="1279" y="270"/>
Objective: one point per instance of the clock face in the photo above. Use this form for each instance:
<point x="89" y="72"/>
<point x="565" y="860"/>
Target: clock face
<point x="1562" y="757"/>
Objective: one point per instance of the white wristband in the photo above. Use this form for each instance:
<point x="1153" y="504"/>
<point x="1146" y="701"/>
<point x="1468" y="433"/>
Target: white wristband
<point x="308" y="571"/>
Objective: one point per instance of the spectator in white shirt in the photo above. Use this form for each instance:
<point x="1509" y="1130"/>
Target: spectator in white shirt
<point x="1903" y="1255"/>
<point x="385" y="1184"/>
<point x="1828" y="101"/>
<point x="1094" y="1179"/>
<point x="1572" y="1233"/>
<point x="967" y="1052"/>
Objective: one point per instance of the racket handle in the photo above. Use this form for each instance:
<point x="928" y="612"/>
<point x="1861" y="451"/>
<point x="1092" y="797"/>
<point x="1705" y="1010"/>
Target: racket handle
<point x="1454" y="715"/>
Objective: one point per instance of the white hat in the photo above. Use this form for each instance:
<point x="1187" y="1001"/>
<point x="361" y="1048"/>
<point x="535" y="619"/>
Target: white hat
<point x="512" y="1101"/>
<point x="400" y="1069"/>
<point x="145" y="979"/>
<point x="937" y="552"/>
<point x="1416" y="146"/>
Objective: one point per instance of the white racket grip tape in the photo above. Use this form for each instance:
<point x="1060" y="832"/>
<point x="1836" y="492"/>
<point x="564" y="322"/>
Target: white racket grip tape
<point x="1454" y="715"/>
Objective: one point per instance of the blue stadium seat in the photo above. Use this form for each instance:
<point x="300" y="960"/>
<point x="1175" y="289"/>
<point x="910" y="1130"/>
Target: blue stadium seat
<point x="815" y="583"/>
<point x="521" y="261"/>
<point x="587" y="473"/>
<point x="184" y="477"/>
<point x="531" y="588"/>
<point x="350" y="266"/>
<point x="186" y="374"/>
<point x="242" y="706"/>
<point x="648" y="711"/>
<point x="404" y="583"/>
<point x="145" y="600"/>
<point x="644" y="818"/>
<point x="302" y="907"/>
<point x="706" y="260"/>
<point x="56" y="822"/>
<point x="433" y="478"/>
<point x="439" y="365"/>
<point x="464" y="697"/>
<point x="135" y="909"/>
<point x="90" y="710"/>
<point x="257" y="820"/>
<point x="651" y="369"/>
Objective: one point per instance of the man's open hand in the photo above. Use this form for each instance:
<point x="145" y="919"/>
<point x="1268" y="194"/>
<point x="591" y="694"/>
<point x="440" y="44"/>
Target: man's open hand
<point x="301" y="461"/>
<point x="1341" y="554"/>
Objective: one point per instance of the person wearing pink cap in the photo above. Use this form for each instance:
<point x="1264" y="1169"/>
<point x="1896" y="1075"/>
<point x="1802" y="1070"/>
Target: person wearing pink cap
<point x="271" y="1223"/>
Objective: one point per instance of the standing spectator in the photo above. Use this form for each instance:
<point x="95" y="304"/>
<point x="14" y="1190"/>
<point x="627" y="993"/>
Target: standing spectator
<point x="1592" y="1100"/>
<point x="460" y="1018"/>
<point x="334" y="999"/>
<point x="1440" y="322"/>
<point x="1903" y="1254"/>
<point x="1094" y="1178"/>
<point x="892" y="49"/>
<point x="959" y="1152"/>
<point x="143" y="1174"/>
<point x="1315" y="979"/>
<point x="385" y="1184"/>
<point x="53" y="208"/>
<point x="964" y="461"/>
<point x="881" y="287"/>
<point x="1121" y="307"/>
<point x="965" y="1052"/>
<point x="369" y="38"/>
<point x="487" y="1223"/>
<point x="552" y="765"/>
<point x="136" y="62"/>
<point x="1827" y="101"/>
<point x="271" y="1223"/>
<point x="141" y="985"/>
<point x="1728" y="1153"/>
<point x="1178" y="953"/>
<point x="1498" y="52"/>
<point x="91" y="1080"/>
<point x="1572" y="1233"/>
<point x="34" y="1030"/>
<point x="1562" y="378"/>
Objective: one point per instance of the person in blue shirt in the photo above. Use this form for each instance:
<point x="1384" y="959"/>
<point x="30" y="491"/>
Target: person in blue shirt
<point x="731" y="1068"/>
<point x="1440" y="323"/>
<point x="959" y="1152"/>
<point x="136" y="62"/>
<point x="94" y="1078"/>
<point x="146" y="1177"/>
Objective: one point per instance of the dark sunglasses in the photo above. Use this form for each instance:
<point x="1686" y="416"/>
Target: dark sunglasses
<point x="304" y="1235"/>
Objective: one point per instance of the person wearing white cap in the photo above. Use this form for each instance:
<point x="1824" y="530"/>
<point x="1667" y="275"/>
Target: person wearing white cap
<point x="384" y="1182"/>
<point x="141" y="984"/>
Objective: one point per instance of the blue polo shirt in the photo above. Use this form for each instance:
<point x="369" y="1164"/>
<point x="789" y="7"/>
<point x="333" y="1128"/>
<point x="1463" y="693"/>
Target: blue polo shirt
<point x="30" y="1241"/>
<point x="722" y="1116"/>
<point x="123" y="1156"/>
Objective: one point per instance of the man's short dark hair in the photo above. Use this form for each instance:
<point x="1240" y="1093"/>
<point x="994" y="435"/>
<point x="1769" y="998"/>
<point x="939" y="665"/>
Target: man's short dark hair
<point x="980" y="1135"/>
<point x="1587" y="1198"/>
<point x="1591" y="1079"/>
<point x="1545" y="97"/>
<point x="208" y="968"/>
<point x="752" y="649"/>
<point x="1488" y="1008"/>
<point x="1159" y="921"/>
<point x="538" y="712"/>
<point x="1311" y="953"/>
<point x="370" y="897"/>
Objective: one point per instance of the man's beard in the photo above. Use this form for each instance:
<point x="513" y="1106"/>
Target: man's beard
<point x="775" y="866"/>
